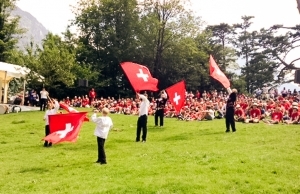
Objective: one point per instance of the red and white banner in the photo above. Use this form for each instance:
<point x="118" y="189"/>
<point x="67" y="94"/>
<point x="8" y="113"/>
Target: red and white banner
<point x="176" y="95"/>
<point x="139" y="77"/>
<point x="217" y="74"/>
<point x="65" y="127"/>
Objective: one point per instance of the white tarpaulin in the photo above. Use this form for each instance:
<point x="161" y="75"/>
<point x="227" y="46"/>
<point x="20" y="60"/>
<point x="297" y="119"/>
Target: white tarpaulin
<point x="7" y="73"/>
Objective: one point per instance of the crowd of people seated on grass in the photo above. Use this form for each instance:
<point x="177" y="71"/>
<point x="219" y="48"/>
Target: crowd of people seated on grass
<point x="278" y="108"/>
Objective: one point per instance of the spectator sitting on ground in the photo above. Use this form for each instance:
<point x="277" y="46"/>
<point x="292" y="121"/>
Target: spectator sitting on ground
<point x="276" y="117"/>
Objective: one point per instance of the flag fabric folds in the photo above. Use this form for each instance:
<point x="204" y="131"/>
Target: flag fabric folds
<point x="176" y="95"/>
<point x="139" y="77"/>
<point x="71" y="110"/>
<point x="65" y="127"/>
<point x="217" y="74"/>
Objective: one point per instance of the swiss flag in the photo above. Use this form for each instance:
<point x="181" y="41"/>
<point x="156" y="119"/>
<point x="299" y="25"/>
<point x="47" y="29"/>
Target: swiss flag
<point x="139" y="76"/>
<point x="176" y="95"/>
<point x="217" y="74"/>
<point x="70" y="110"/>
<point x="65" y="127"/>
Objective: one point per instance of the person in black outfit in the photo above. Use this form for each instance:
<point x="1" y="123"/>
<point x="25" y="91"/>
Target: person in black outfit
<point x="229" y="115"/>
<point x="160" y="108"/>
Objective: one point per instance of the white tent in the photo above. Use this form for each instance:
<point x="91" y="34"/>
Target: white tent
<point x="7" y="73"/>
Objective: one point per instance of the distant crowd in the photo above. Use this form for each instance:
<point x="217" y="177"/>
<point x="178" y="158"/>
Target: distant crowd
<point x="271" y="106"/>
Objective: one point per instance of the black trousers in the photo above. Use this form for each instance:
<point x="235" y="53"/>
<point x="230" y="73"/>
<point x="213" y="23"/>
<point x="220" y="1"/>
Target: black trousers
<point x="159" y="114"/>
<point x="229" y="119"/>
<point x="141" y="124"/>
<point x="47" y="132"/>
<point x="43" y="104"/>
<point x="101" y="151"/>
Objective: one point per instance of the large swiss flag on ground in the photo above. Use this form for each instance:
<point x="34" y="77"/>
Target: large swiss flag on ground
<point x="65" y="127"/>
<point x="139" y="77"/>
<point x="217" y="74"/>
<point x="176" y="95"/>
<point x="71" y="110"/>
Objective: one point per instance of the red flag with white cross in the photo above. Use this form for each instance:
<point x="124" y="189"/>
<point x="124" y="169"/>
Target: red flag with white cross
<point x="139" y="77"/>
<point x="176" y="95"/>
<point x="65" y="127"/>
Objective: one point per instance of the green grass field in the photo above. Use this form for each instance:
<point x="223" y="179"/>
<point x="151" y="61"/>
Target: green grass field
<point x="182" y="157"/>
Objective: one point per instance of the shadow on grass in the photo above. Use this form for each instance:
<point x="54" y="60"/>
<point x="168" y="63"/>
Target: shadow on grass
<point x="210" y="132"/>
<point x="34" y="170"/>
<point x="18" y="122"/>
<point x="156" y="129"/>
<point x="188" y="136"/>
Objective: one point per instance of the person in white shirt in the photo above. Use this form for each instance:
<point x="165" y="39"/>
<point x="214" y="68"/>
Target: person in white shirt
<point x="209" y="114"/>
<point x="103" y="126"/>
<point x="143" y="117"/>
<point x="52" y="110"/>
<point x="43" y="100"/>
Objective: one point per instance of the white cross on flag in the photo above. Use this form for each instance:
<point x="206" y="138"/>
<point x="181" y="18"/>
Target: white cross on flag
<point x="139" y="77"/>
<point x="176" y="95"/>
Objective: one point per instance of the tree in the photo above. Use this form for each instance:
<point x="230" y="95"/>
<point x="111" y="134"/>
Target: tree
<point x="107" y="37"/>
<point x="170" y="21"/>
<point x="221" y="39"/>
<point x="281" y="45"/>
<point x="8" y="30"/>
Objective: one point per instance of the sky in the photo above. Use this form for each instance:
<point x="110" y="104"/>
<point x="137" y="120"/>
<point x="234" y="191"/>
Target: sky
<point x="55" y="15"/>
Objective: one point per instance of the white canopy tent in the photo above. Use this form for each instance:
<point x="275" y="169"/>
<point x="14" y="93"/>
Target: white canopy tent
<point x="7" y="73"/>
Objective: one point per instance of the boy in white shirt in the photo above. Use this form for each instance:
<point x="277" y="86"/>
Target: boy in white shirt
<point x="52" y="110"/>
<point x="103" y="125"/>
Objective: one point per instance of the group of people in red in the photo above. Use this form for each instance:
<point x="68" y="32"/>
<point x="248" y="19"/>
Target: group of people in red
<point x="200" y="106"/>
<point x="84" y="101"/>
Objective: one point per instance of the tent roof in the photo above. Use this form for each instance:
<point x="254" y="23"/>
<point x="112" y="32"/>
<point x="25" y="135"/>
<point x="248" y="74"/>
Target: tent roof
<point x="9" y="71"/>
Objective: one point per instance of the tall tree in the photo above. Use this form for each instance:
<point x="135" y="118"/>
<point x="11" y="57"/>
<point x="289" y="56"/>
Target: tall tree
<point x="108" y="36"/>
<point x="8" y="29"/>
<point x="281" y="44"/>
<point x="166" y="22"/>
<point x="222" y="35"/>
<point x="244" y="42"/>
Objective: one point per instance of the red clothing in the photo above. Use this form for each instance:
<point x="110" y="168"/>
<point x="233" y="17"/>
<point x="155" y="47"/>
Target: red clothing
<point x="244" y="105"/>
<point x="255" y="113"/>
<point x="270" y="107"/>
<point x="239" y="113"/>
<point x="92" y="94"/>
<point x="294" y="116"/>
<point x="290" y="112"/>
<point x="85" y="102"/>
<point x="277" y="116"/>
<point x="67" y="101"/>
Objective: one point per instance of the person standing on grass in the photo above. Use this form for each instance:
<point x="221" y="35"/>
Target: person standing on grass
<point x="229" y="115"/>
<point x="92" y="96"/>
<point x="143" y="117"/>
<point x="53" y="107"/>
<point x="103" y="125"/>
<point x="44" y="97"/>
<point x="160" y="108"/>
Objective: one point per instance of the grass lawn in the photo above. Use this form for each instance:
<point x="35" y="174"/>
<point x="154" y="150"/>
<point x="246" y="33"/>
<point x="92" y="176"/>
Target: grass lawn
<point x="182" y="157"/>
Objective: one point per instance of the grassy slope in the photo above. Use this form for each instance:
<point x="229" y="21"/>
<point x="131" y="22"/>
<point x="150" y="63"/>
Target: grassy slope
<point x="182" y="157"/>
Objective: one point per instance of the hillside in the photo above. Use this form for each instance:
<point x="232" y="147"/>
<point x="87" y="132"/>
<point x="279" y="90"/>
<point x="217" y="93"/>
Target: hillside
<point x="34" y="29"/>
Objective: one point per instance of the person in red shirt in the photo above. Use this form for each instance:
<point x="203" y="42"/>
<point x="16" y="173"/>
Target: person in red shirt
<point x="239" y="114"/>
<point x="85" y="102"/>
<point x="92" y="95"/>
<point x="276" y="117"/>
<point x="255" y="114"/>
<point x="67" y="101"/>
<point x="294" y="119"/>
